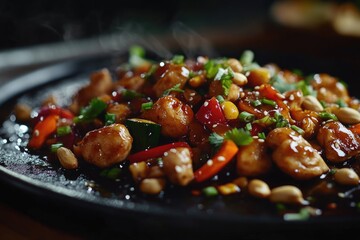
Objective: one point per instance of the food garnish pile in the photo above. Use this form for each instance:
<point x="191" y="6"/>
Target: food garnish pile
<point x="215" y="127"/>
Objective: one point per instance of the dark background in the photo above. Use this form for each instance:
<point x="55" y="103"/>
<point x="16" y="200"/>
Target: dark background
<point x="37" y="22"/>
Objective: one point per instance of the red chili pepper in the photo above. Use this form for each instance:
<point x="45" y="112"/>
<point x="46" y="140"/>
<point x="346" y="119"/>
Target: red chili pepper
<point x="53" y="110"/>
<point x="155" y="152"/>
<point x="42" y="130"/>
<point x="227" y="151"/>
<point x="269" y="92"/>
<point x="211" y="113"/>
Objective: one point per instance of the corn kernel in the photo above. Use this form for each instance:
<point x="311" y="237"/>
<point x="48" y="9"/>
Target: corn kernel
<point x="228" y="188"/>
<point x="196" y="81"/>
<point x="230" y="110"/>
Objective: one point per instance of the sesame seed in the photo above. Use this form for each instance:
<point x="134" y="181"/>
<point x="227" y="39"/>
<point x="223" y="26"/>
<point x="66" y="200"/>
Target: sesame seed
<point x="210" y="162"/>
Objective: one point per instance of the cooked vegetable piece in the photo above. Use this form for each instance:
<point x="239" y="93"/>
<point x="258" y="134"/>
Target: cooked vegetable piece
<point x="224" y="155"/>
<point x="42" y="130"/>
<point x="211" y="113"/>
<point x="145" y="133"/>
<point x="155" y="152"/>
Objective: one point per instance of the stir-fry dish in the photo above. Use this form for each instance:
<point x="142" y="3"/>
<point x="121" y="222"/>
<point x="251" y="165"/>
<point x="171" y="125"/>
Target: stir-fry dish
<point x="212" y="126"/>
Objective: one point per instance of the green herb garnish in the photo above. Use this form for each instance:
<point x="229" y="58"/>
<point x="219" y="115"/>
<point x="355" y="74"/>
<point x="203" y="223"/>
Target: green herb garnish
<point x="90" y="112"/>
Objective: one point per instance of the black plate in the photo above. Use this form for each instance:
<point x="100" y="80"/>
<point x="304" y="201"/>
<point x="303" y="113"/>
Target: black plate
<point x="77" y="201"/>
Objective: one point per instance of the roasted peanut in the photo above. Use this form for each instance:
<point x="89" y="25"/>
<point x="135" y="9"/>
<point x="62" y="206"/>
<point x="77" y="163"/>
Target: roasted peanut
<point x="139" y="171"/>
<point x="347" y="115"/>
<point x="239" y="79"/>
<point x="152" y="185"/>
<point x="346" y="176"/>
<point x="235" y="65"/>
<point x="259" y="188"/>
<point x="67" y="158"/>
<point x="312" y="103"/>
<point x="287" y="194"/>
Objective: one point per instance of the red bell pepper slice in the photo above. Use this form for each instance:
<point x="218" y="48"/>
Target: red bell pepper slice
<point x="53" y="110"/>
<point x="42" y="130"/>
<point x="155" y="152"/>
<point x="227" y="151"/>
<point x="211" y="113"/>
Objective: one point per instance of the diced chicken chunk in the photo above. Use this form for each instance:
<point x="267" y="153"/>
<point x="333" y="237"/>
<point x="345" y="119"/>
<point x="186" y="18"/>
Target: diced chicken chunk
<point x="253" y="160"/>
<point x="173" y="115"/>
<point x="106" y="146"/>
<point x="294" y="155"/>
<point x="338" y="142"/>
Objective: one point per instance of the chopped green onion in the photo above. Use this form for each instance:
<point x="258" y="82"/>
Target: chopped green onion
<point x="239" y="136"/>
<point x="246" y="117"/>
<point x="175" y="88"/>
<point x="247" y="57"/>
<point x="256" y="103"/>
<point x="327" y="116"/>
<point x="146" y="106"/>
<point x="90" y="112"/>
<point x="211" y="68"/>
<point x="63" y="130"/>
<point x="262" y="135"/>
<point x="110" y="118"/>
<point x="248" y="127"/>
<point x="265" y="121"/>
<point x="54" y="147"/>
<point x="268" y="102"/>
<point x="302" y="215"/>
<point x="178" y="59"/>
<point x="297" y="129"/>
<point x="210" y="191"/>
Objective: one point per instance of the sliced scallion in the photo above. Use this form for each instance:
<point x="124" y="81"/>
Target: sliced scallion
<point x="297" y="129"/>
<point x="146" y="106"/>
<point x="54" y="147"/>
<point x="246" y="117"/>
<point x="63" y="130"/>
<point x="210" y="191"/>
<point x="327" y="116"/>
<point x="268" y="102"/>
